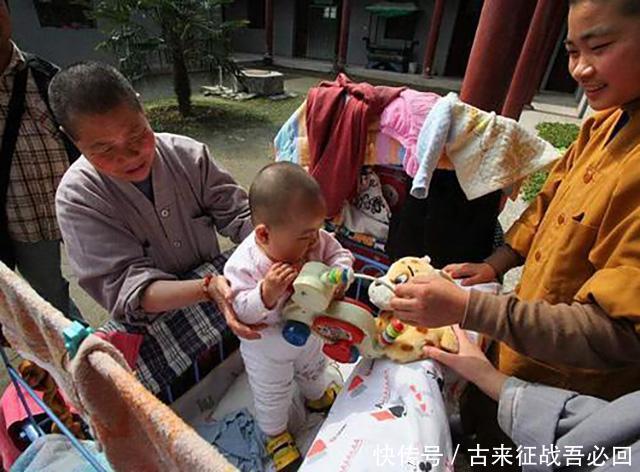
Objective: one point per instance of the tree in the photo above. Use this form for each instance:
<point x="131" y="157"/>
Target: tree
<point x="186" y="30"/>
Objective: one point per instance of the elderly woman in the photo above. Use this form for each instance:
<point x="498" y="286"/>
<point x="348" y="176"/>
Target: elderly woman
<point x="139" y="213"/>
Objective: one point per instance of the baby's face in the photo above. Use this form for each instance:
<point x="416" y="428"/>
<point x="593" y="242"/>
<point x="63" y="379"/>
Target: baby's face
<point x="292" y="241"/>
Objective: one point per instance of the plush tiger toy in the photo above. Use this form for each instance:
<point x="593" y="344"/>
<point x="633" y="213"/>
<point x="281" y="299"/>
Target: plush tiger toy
<point x="402" y="342"/>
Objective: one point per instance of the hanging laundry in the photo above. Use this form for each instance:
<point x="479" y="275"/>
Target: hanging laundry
<point x="338" y="117"/>
<point x="402" y="120"/>
<point x="488" y="152"/>
<point x="291" y="143"/>
<point x="368" y="212"/>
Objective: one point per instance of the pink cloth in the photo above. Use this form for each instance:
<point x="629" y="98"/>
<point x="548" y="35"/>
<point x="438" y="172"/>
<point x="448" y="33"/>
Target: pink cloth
<point x="128" y="344"/>
<point x="12" y="411"/>
<point x="402" y="120"/>
<point x="248" y="265"/>
<point x="8" y="450"/>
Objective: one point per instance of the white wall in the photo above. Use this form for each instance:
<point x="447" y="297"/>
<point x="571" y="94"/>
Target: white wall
<point x="57" y="45"/>
<point x="251" y="40"/>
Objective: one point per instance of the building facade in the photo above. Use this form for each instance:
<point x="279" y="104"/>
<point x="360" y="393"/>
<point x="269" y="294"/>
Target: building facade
<point x="398" y="31"/>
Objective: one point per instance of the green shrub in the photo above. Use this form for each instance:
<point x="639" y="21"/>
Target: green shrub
<point x="531" y="187"/>
<point x="560" y="135"/>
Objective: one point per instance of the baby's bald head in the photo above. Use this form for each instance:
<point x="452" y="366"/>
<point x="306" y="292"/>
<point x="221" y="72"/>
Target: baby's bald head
<point x="279" y="191"/>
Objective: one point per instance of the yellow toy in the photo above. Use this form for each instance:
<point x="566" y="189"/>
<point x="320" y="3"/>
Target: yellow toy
<point x="408" y="343"/>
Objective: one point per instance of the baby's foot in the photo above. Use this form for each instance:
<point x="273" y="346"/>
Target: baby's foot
<point x="284" y="452"/>
<point x="323" y="404"/>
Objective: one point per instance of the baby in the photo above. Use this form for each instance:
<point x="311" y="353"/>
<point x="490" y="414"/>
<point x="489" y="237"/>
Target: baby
<point x="288" y="212"/>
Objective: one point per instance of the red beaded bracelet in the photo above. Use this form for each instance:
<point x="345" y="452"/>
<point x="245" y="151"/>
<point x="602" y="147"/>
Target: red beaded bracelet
<point x="205" y="286"/>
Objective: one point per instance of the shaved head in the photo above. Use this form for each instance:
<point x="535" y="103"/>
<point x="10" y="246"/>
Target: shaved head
<point x="279" y="190"/>
<point x="626" y="7"/>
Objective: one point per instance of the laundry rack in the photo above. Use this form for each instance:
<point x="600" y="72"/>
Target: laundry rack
<point x="33" y="428"/>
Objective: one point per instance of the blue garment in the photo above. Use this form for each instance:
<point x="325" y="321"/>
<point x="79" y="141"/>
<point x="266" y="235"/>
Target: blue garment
<point x="237" y="437"/>
<point x="432" y="139"/>
<point x="54" y="452"/>
<point x="286" y="141"/>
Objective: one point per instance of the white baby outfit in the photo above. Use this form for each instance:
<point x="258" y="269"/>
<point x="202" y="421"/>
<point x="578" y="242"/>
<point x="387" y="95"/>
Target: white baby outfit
<point x="272" y="364"/>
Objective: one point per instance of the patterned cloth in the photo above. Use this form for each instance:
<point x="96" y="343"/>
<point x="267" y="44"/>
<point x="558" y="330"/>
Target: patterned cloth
<point x="385" y="411"/>
<point x="488" y="152"/>
<point x="368" y="213"/>
<point x="175" y="340"/>
<point x="39" y="161"/>
<point x="292" y="145"/>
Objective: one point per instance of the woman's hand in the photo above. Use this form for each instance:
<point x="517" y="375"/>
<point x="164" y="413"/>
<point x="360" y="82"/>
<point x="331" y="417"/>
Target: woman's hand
<point x="429" y="300"/>
<point x="472" y="274"/>
<point x="220" y="292"/>
<point x="471" y="363"/>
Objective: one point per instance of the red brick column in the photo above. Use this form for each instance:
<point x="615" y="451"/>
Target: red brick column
<point x="432" y="38"/>
<point x="268" y="28"/>
<point x="501" y="32"/>
<point x="532" y="56"/>
<point x="343" y="39"/>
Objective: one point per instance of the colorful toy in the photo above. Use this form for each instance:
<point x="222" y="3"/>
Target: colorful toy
<point x="348" y="327"/>
<point x="407" y="345"/>
<point x="390" y="333"/>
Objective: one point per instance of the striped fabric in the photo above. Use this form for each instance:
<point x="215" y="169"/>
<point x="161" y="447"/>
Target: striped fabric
<point x="177" y="340"/>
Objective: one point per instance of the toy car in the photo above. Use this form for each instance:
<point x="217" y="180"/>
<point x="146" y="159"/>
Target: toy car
<point x="347" y="326"/>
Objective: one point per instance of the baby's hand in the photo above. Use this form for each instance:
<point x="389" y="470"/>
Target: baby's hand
<point x="339" y="292"/>
<point x="278" y="279"/>
<point x="471" y="274"/>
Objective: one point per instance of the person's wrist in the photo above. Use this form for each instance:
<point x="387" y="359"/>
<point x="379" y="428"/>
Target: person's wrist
<point x="492" y="273"/>
<point x="265" y="295"/>
<point x="491" y="381"/>
<point x="463" y="302"/>
<point x="205" y="288"/>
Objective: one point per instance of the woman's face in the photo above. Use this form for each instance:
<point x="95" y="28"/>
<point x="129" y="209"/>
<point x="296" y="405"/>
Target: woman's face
<point x="118" y="143"/>
<point x="604" y="53"/>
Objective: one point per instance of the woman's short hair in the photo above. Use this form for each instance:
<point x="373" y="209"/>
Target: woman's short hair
<point x="88" y="88"/>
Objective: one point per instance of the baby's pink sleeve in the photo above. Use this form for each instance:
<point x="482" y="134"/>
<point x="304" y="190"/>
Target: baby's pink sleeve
<point x="333" y="254"/>
<point x="245" y="284"/>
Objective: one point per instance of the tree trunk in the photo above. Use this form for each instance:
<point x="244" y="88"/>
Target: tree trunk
<point x="181" y="82"/>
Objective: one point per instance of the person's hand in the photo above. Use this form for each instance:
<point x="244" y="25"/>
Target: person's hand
<point x="338" y="294"/>
<point x="471" y="363"/>
<point x="276" y="282"/>
<point x="472" y="274"/>
<point x="220" y="292"/>
<point x="429" y="300"/>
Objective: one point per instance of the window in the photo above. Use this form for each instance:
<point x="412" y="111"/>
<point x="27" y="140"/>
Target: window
<point x="400" y="27"/>
<point x="71" y="14"/>
<point x="330" y="13"/>
<point x="255" y="14"/>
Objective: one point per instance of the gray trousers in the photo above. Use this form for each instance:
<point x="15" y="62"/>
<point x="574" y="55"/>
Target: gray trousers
<point x="39" y="263"/>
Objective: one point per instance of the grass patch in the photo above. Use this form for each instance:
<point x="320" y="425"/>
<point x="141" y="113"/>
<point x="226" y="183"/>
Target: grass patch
<point x="560" y="135"/>
<point x="213" y="114"/>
